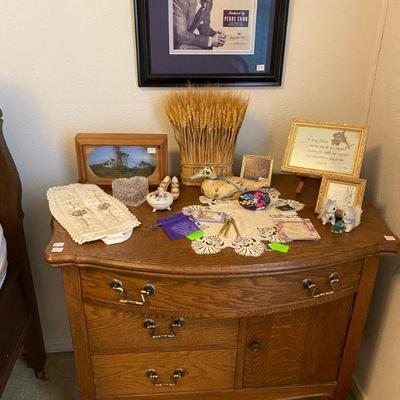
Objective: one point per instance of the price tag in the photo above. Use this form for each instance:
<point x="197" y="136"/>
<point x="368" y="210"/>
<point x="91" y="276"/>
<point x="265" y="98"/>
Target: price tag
<point x="151" y="150"/>
<point x="282" y="248"/>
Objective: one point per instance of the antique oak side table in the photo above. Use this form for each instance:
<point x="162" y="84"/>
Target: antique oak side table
<point x="150" y="319"/>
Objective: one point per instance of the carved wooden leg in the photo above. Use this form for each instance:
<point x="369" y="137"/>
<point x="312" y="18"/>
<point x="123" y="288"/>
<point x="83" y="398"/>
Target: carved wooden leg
<point x="34" y="351"/>
<point x="356" y="327"/>
<point x="76" y="313"/>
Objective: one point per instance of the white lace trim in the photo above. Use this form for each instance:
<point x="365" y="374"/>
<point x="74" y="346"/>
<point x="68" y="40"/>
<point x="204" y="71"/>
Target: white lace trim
<point x="255" y="227"/>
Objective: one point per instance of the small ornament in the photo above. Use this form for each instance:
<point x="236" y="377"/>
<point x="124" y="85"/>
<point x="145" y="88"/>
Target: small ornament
<point x="328" y="213"/>
<point x="338" y="226"/>
<point x="131" y="191"/>
<point x="160" y="200"/>
<point x="255" y="200"/>
<point x="175" y="188"/>
<point x="351" y="217"/>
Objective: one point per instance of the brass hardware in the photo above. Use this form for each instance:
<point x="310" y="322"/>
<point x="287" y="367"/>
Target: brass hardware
<point x="148" y="290"/>
<point x="151" y="325"/>
<point x="308" y="284"/>
<point x="255" y="346"/>
<point x="153" y="375"/>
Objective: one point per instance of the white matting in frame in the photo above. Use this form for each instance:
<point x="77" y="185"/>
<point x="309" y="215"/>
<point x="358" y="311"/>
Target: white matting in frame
<point x="317" y="149"/>
<point x="346" y="192"/>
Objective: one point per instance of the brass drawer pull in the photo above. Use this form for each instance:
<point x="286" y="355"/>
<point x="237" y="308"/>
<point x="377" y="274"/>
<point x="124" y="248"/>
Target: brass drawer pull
<point x="148" y="290"/>
<point x="153" y="375"/>
<point x="151" y="325"/>
<point x="308" y="284"/>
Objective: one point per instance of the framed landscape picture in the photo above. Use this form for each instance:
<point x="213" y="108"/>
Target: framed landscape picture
<point x="346" y="192"/>
<point x="223" y="42"/>
<point x="317" y="149"/>
<point x="104" y="157"/>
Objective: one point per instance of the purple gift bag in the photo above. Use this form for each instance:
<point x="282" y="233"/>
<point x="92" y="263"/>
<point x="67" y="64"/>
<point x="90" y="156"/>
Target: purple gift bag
<point x="177" y="226"/>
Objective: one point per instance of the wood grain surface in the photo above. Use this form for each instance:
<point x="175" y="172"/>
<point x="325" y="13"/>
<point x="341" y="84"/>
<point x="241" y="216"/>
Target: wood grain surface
<point x="125" y="374"/>
<point x="115" y="331"/>
<point x="295" y="392"/>
<point x="299" y="347"/>
<point x="150" y="250"/>
<point x="222" y="296"/>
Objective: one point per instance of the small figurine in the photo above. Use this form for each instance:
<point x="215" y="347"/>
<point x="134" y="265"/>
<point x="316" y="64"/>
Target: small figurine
<point x="338" y="227"/>
<point x="218" y="187"/>
<point x="175" y="188"/>
<point x="160" y="200"/>
<point x="351" y="217"/>
<point x="328" y="213"/>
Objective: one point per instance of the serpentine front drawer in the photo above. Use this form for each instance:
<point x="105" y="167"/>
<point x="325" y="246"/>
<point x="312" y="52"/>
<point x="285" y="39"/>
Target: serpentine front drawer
<point x="232" y="296"/>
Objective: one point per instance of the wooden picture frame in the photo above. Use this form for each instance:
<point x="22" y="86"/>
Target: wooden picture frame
<point x="161" y="63"/>
<point x="257" y="167"/>
<point x="316" y="148"/>
<point x="104" y="157"/>
<point x="347" y="192"/>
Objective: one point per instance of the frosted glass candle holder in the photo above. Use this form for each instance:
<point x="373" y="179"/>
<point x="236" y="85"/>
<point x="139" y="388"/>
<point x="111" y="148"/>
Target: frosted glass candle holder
<point x="131" y="191"/>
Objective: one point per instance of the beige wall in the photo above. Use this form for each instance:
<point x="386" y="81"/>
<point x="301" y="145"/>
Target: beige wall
<point x="378" y="368"/>
<point x="69" y="66"/>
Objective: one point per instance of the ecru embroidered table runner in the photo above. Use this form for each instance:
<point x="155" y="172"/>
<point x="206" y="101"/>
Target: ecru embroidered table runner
<point x="88" y="213"/>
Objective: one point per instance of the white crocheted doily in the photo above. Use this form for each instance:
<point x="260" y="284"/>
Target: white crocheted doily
<point x="88" y="213"/>
<point x="255" y="227"/>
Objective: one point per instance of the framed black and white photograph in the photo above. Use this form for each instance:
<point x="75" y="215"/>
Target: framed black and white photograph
<point x="222" y="42"/>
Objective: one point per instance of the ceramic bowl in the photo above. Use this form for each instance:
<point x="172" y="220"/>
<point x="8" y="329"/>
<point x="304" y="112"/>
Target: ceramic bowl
<point x="160" y="200"/>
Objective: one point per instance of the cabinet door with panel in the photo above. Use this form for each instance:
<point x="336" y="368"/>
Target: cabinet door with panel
<point x="303" y="346"/>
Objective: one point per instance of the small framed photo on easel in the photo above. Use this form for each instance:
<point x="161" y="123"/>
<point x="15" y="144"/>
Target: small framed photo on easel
<point x="346" y="192"/>
<point x="257" y="167"/>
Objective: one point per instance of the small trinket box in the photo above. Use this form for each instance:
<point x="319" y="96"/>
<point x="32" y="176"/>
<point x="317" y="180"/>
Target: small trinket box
<point x="254" y="200"/>
<point x="131" y="191"/>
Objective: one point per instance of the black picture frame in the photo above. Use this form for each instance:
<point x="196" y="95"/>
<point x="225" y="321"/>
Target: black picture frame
<point x="147" y="77"/>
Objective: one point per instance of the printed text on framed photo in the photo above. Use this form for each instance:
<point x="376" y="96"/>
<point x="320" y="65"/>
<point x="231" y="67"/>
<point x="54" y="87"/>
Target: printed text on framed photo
<point x="316" y="149"/>
<point x="104" y="157"/>
<point x="210" y="42"/>
<point x="346" y="192"/>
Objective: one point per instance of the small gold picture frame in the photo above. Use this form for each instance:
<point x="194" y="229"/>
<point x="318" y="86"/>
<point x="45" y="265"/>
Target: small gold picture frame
<point x="257" y="167"/>
<point x="346" y="192"/>
<point x="316" y="149"/>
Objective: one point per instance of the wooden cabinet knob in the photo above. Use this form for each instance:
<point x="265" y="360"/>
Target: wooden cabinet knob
<point x="255" y="346"/>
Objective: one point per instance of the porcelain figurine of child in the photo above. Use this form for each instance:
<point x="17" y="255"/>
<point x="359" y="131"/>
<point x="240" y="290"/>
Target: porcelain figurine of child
<point x="328" y="212"/>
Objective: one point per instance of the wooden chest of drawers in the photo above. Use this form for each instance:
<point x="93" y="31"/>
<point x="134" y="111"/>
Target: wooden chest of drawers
<point x="152" y="320"/>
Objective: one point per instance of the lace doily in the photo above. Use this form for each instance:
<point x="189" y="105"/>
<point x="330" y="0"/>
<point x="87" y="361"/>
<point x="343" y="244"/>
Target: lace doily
<point x="88" y="213"/>
<point x="255" y="227"/>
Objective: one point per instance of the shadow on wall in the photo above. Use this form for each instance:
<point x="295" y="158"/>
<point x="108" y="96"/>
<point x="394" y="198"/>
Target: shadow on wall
<point x="370" y="171"/>
<point x="387" y="280"/>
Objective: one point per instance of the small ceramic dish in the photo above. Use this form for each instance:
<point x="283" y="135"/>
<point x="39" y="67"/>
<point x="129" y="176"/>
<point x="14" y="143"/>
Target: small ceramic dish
<point x="254" y="200"/>
<point x="160" y="200"/>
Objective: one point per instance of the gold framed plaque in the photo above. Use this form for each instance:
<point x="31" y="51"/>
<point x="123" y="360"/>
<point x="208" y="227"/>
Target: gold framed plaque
<point x="317" y="149"/>
<point x="346" y="192"/>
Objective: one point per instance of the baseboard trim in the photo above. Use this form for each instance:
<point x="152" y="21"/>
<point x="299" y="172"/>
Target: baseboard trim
<point x="357" y="391"/>
<point x="58" y="347"/>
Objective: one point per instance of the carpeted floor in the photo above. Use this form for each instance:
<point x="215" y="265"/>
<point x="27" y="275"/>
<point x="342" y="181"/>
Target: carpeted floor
<point x="60" y="385"/>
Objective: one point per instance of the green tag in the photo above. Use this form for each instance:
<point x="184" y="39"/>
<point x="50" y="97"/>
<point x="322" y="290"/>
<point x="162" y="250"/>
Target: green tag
<point x="283" y="248"/>
<point x="195" y="235"/>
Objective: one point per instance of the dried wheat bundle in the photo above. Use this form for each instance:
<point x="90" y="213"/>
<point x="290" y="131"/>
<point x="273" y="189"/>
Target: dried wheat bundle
<point x="206" y="123"/>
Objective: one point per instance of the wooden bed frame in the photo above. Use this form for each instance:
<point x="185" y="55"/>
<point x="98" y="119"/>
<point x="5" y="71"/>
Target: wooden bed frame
<point x="19" y="318"/>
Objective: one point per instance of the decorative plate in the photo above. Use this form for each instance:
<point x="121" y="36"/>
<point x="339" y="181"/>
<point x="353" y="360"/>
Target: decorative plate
<point x="255" y="200"/>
